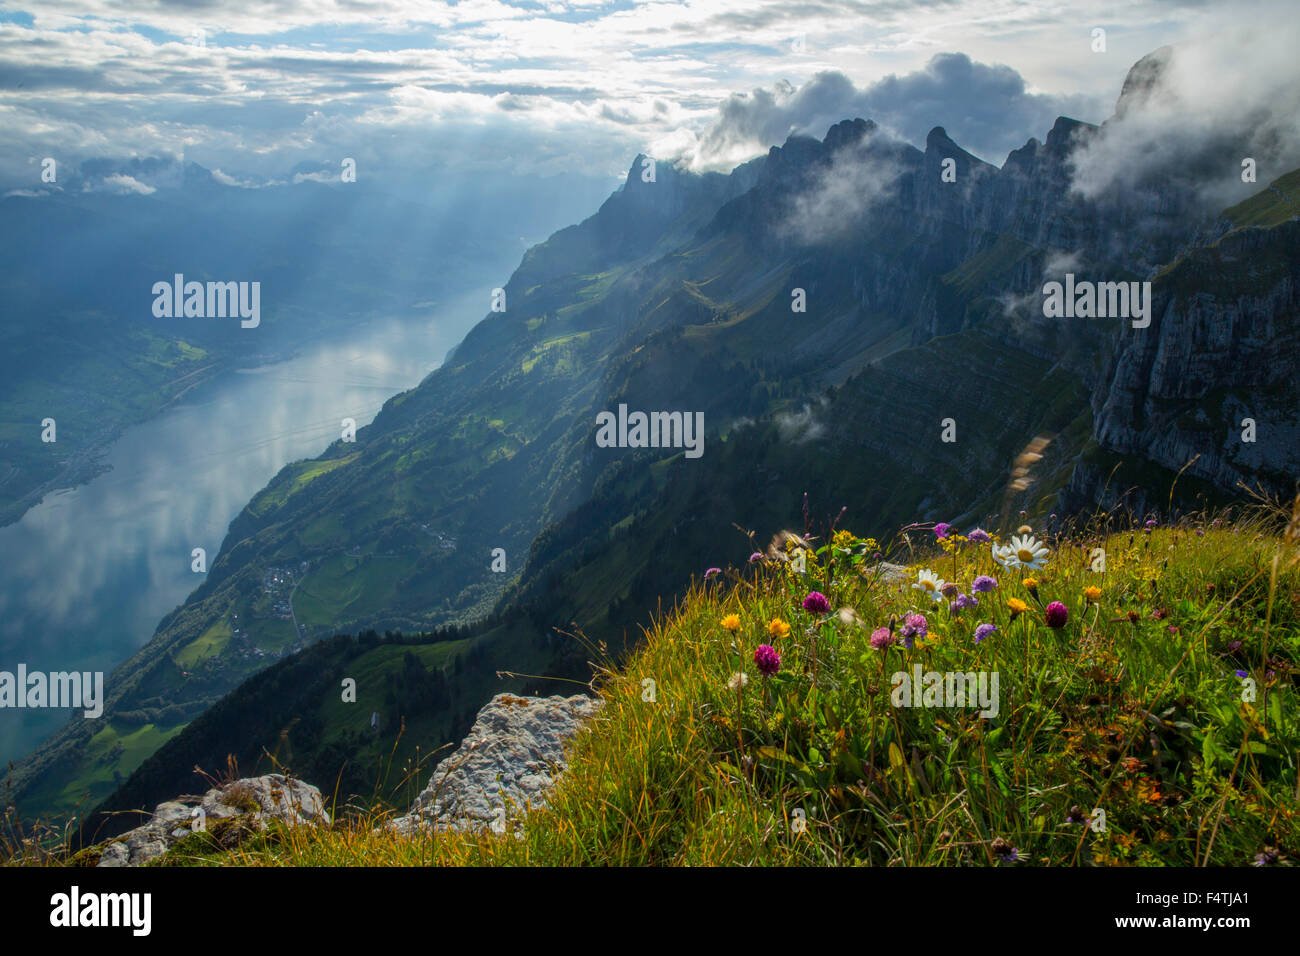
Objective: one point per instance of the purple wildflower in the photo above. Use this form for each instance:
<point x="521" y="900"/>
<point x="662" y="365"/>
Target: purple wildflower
<point x="1056" y="614"/>
<point x="767" y="660"/>
<point x="1241" y="673"/>
<point x="881" y="638"/>
<point x="816" y="603"/>
<point x="942" y="530"/>
<point x="963" y="600"/>
<point x="980" y="536"/>
<point x="711" y="572"/>
<point x="914" y="626"/>
<point x="1004" y="851"/>
<point x="983" y="631"/>
<point x="983" y="584"/>
<point x="756" y="556"/>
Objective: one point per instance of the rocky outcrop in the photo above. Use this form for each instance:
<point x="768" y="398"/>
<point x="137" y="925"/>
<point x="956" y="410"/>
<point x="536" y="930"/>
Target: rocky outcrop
<point x="228" y="813"/>
<point x="1222" y="351"/>
<point x="508" y="763"/>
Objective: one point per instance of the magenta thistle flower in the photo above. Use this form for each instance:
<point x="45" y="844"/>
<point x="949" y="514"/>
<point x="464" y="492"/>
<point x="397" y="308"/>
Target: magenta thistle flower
<point x="980" y="536"/>
<point x="816" y="603"/>
<point x="767" y="660"/>
<point x="1056" y="614"/>
<point x="984" y="584"/>
<point x="942" y="530"/>
<point x="881" y="638"/>
<point x="983" y="631"/>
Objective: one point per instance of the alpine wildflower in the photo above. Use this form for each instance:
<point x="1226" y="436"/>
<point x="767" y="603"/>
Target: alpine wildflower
<point x="731" y="622"/>
<point x="984" y="631"/>
<point x="1005" y="555"/>
<point x="778" y="628"/>
<point x="983" y="584"/>
<point x="1056" y="615"/>
<point x="914" y="626"/>
<point x="881" y="638"/>
<point x="1004" y="851"/>
<point x="767" y="660"/>
<point x="816" y="603"/>
<point x="929" y="584"/>
<point x="1029" y="552"/>
<point x="963" y="601"/>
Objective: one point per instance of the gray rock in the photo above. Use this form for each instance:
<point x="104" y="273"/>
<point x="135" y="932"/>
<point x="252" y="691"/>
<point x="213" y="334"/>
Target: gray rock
<point x="255" y="799"/>
<point x="507" y="764"/>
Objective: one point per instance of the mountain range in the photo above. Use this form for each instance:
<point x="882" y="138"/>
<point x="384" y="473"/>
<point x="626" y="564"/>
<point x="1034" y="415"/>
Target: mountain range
<point x="861" y="324"/>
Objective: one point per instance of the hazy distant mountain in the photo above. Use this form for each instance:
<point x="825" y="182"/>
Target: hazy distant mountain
<point x="79" y="259"/>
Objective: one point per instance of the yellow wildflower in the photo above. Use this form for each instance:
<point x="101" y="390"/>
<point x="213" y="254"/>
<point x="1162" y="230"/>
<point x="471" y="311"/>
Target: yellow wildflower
<point x="1017" y="606"/>
<point x="1092" y="594"/>
<point x="778" y="628"/>
<point x="731" y="622"/>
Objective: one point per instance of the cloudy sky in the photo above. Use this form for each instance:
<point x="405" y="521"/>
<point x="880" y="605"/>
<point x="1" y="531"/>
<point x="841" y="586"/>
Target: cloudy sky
<point x="259" y="88"/>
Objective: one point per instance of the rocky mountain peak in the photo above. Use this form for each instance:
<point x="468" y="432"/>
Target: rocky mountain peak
<point x="1144" y="78"/>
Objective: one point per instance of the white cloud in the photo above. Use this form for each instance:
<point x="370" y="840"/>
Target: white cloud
<point x="487" y="83"/>
<point x="120" y="184"/>
<point x="1230" y="94"/>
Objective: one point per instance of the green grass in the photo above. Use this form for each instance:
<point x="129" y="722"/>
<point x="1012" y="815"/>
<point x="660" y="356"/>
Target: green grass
<point x="94" y="778"/>
<point x="1132" y="708"/>
<point x="293" y="479"/>
<point x="346" y="587"/>
<point x="208" y="644"/>
<point x="1271" y="206"/>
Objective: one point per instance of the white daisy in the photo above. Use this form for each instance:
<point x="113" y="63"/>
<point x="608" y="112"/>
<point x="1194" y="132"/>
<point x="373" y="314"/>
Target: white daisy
<point x="930" y="584"/>
<point x="1005" y="555"/>
<point x="1029" y="552"/>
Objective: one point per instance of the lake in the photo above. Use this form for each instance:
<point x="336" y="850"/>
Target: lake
<point x="86" y="576"/>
